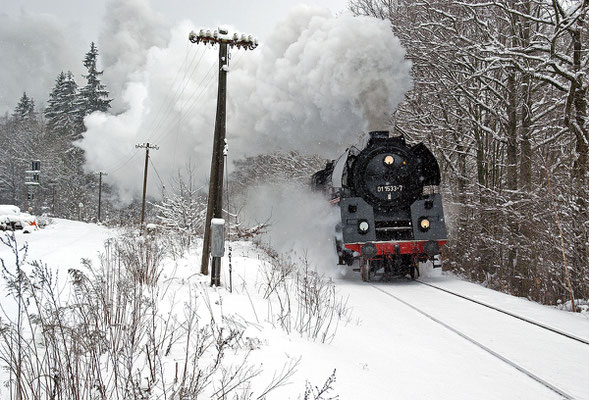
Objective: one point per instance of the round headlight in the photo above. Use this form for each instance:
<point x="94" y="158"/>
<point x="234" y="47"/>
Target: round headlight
<point x="363" y="226"/>
<point x="424" y="224"/>
<point x="389" y="160"/>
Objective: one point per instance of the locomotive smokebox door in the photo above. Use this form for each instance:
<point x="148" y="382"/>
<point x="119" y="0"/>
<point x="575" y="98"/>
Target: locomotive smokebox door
<point x="217" y="237"/>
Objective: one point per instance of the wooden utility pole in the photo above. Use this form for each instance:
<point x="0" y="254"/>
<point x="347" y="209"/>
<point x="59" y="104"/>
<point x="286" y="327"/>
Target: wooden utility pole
<point x="100" y="175"/>
<point x="215" y="200"/>
<point x="32" y="181"/>
<point x="53" y="202"/>
<point x="145" y="146"/>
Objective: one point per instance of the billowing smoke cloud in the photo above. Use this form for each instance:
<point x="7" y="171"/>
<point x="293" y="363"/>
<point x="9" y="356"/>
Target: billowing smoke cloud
<point x="312" y="86"/>
<point x="301" y="223"/>
<point x="131" y="29"/>
<point x="167" y="105"/>
<point x="320" y="80"/>
<point x="34" y="49"/>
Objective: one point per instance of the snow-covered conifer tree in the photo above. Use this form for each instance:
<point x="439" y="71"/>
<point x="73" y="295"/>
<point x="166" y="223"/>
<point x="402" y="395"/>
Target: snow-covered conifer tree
<point x="53" y="103"/>
<point x="25" y="109"/>
<point x="93" y="96"/>
<point x="61" y="108"/>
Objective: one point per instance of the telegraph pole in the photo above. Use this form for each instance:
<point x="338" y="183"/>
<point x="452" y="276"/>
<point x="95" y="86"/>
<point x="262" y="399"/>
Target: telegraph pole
<point x="32" y="181"/>
<point x="100" y="175"/>
<point x="215" y="200"/>
<point x="53" y="196"/>
<point x="145" y="146"/>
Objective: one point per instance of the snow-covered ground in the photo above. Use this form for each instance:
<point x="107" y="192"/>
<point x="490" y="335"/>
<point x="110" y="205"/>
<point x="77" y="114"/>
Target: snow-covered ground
<point x="382" y="349"/>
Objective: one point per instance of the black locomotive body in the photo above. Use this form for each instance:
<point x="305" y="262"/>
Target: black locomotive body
<point x="391" y="210"/>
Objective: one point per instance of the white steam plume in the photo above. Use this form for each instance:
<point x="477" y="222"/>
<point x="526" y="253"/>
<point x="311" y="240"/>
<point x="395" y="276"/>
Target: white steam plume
<point x="131" y="29"/>
<point x="301" y="223"/>
<point x="312" y="86"/>
<point x="320" y="80"/>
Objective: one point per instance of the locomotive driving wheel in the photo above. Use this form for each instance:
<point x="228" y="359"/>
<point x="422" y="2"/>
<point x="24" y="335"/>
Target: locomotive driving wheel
<point x="414" y="269"/>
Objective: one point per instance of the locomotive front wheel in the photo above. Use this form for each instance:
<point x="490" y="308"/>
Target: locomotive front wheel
<point x="414" y="270"/>
<point x="365" y="270"/>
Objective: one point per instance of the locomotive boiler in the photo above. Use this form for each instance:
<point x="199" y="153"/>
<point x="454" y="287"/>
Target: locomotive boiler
<point x="391" y="209"/>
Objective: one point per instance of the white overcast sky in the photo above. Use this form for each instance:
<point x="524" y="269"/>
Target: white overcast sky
<point x="78" y="22"/>
<point x="257" y="17"/>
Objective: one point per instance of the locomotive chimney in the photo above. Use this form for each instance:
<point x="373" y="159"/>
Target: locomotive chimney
<point x="382" y="137"/>
<point x="379" y="134"/>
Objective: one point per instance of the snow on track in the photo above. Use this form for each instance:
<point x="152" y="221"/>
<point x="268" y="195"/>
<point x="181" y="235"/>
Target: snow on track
<point x="530" y="321"/>
<point x="558" y="360"/>
<point x="506" y="360"/>
<point x="575" y="323"/>
<point x="387" y="350"/>
<point x="407" y="356"/>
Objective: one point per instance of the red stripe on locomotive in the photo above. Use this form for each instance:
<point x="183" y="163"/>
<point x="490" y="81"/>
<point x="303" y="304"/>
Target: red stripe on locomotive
<point x="405" y="247"/>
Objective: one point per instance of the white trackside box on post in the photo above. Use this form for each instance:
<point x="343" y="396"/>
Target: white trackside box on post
<point x="217" y="237"/>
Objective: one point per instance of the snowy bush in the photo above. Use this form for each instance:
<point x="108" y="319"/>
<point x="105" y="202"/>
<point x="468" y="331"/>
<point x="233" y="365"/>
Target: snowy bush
<point x="106" y="336"/>
<point x="316" y="393"/>
<point x="182" y="211"/>
<point x="300" y="299"/>
<point x="141" y="256"/>
<point x="581" y="306"/>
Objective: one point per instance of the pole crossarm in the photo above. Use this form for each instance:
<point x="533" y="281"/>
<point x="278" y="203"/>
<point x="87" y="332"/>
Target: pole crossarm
<point x="146" y="146"/>
<point x="246" y="42"/>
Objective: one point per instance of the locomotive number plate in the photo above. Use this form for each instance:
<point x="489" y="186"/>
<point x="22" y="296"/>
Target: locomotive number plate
<point x="389" y="188"/>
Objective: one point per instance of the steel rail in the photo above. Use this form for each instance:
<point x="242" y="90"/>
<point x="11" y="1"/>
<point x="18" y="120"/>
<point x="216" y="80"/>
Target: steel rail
<point x="518" y="367"/>
<point x="530" y="321"/>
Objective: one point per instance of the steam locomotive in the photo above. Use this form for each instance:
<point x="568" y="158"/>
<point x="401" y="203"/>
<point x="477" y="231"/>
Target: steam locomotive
<point x="391" y="209"/>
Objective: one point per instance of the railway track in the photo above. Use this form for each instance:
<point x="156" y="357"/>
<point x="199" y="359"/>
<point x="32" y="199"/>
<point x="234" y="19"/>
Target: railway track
<point x="521" y="318"/>
<point x="477" y="343"/>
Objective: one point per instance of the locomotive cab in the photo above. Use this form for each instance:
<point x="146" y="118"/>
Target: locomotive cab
<point x="391" y="212"/>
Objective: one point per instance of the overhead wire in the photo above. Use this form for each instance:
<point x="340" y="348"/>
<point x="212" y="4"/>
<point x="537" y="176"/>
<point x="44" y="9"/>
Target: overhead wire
<point x="128" y="156"/>
<point x="194" y="100"/>
<point x="177" y="94"/>
<point x="197" y="99"/>
<point x="166" y="101"/>
<point x="167" y="104"/>
<point x="123" y="163"/>
<point x="157" y="174"/>
<point x="190" y="109"/>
